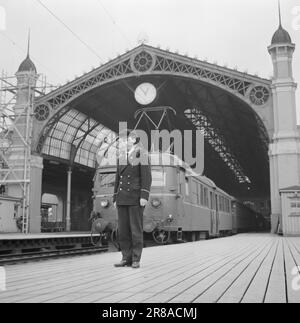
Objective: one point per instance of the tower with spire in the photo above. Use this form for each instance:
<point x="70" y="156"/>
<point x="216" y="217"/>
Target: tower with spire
<point x="27" y="173"/>
<point x="285" y="146"/>
<point x="26" y="77"/>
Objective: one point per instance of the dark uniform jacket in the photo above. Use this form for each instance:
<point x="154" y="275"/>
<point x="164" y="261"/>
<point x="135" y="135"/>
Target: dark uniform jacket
<point x="133" y="181"/>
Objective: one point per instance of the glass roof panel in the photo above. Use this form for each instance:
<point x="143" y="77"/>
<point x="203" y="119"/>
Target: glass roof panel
<point x="73" y="128"/>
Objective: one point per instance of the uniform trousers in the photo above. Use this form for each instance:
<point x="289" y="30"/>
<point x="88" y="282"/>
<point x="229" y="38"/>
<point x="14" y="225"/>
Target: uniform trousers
<point x="130" y="231"/>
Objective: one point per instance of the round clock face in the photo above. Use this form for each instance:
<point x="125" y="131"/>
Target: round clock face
<point x="145" y="93"/>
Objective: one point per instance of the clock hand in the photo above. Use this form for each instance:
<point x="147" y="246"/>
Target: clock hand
<point x="141" y="96"/>
<point x="145" y="93"/>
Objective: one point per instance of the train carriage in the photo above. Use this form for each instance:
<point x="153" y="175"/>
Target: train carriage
<point x="182" y="205"/>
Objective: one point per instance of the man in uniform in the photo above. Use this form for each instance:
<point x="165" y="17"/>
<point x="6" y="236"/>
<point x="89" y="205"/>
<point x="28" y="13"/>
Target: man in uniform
<point x="131" y="195"/>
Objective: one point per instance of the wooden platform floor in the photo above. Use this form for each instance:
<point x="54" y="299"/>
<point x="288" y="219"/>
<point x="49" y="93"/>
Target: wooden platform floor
<point x="244" y="268"/>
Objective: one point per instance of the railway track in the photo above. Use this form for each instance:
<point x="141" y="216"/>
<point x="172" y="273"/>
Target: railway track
<point x="49" y="254"/>
<point x="25" y="257"/>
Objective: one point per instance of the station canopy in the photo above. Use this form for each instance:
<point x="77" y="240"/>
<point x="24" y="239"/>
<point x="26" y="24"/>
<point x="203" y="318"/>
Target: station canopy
<point x="236" y="145"/>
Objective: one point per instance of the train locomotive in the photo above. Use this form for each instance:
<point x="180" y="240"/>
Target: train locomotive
<point x="182" y="205"/>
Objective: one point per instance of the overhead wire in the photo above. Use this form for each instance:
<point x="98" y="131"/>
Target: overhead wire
<point x="78" y="37"/>
<point x="114" y="21"/>
<point x="70" y="30"/>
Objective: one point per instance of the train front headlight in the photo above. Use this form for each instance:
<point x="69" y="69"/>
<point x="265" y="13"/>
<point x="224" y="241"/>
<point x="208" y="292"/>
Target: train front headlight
<point x="156" y="203"/>
<point x="170" y="218"/>
<point x="104" y="204"/>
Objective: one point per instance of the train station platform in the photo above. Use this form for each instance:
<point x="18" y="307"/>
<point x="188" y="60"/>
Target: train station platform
<point x="33" y="236"/>
<point x="17" y="243"/>
<point x="254" y="268"/>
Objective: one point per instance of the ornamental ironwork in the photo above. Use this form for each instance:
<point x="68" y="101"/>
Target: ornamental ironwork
<point x="218" y="142"/>
<point x="164" y="64"/>
<point x="139" y="63"/>
<point x="52" y="122"/>
<point x="42" y="112"/>
<point x="142" y="62"/>
<point x="75" y="90"/>
<point x="259" y="95"/>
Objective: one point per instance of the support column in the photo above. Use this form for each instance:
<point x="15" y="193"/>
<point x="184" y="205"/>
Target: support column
<point x="69" y="188"/>
<point x="35" y="194"/>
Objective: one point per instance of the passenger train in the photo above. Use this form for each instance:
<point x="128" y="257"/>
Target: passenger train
<point x="182" y="205"/>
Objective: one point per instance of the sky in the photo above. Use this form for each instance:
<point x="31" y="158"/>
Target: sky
<point x="232" y="32"/>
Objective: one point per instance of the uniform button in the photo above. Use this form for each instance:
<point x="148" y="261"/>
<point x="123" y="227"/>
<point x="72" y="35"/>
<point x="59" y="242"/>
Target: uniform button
<point x="121" y="189"/>
<point x="128" y="190"/>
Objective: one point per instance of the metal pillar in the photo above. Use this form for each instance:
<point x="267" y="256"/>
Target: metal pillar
<point x="69" y="188"/>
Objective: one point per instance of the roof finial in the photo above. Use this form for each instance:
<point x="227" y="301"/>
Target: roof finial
<point x="279" y="12"/>
<point x="143" y="38"/>
<point x="28" y="46"/>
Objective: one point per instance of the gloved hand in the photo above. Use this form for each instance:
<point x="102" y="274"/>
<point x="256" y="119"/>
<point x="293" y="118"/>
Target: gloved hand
<point x="143" y="202"/>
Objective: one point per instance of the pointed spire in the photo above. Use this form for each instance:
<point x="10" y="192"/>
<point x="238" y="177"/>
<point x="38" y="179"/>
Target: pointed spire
<point x="28" y="46"/>
<point x="279" y="12"/>
<point x="27" y="65"/>
<point x="281" y="36"/>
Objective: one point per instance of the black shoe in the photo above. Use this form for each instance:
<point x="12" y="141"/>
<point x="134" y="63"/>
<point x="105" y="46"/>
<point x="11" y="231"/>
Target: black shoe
<point x="135" y="265"/>
<point x="123" y="263"/>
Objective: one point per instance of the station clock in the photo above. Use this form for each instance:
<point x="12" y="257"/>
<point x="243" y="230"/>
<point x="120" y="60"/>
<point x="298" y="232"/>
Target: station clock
<point x="145" y="93"/>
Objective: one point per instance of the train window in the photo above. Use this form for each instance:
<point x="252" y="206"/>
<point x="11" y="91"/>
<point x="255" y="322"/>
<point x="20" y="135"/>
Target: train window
<point x="202" y="195"/>
<point x="187" y="191"/>
<point x="211" y="201"/>
<point x="220" y="203"/>
<point x="199" y="188"/>
<point x="295" y="205"/>
<point x="180" y="185"/>
<point x="206" y="201"/>
<point x="107" y="180"/>
<point x="158" y="178"/>
<point x="194" y="192"/>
